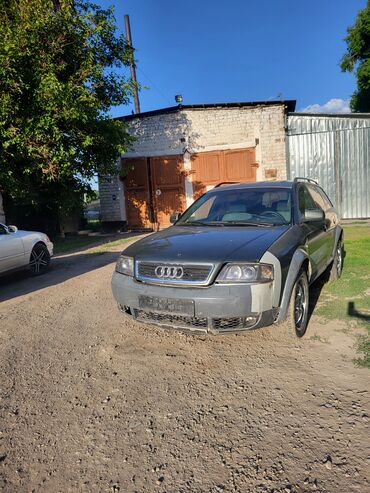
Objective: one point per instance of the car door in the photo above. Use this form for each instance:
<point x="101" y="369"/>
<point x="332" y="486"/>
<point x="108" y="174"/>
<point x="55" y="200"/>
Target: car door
<point x="11" y="250"/>
<point x="331" y="216"/>
<point x="316" y="235"/>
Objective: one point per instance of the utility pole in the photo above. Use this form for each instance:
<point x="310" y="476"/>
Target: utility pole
<point x="132" y="64"/>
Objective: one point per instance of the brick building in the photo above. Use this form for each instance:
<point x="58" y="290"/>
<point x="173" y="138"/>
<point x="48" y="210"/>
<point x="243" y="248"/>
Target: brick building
<point x="180" y="152"/>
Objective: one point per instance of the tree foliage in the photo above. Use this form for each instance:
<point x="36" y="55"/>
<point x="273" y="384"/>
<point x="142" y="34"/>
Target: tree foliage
<point x="59" y="76"/>
<point x="357" y="59"/>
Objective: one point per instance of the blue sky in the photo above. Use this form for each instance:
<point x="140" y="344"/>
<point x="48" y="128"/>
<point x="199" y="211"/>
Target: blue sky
<point x="239" y="50"/>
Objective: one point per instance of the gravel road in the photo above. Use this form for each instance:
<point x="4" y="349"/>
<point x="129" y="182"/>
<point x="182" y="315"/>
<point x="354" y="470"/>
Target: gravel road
<point x="92" y="402"/>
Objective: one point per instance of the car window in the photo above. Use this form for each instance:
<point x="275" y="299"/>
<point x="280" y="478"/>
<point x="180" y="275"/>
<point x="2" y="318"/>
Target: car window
<point x="317" y="197"/>
<point x="2" y="230"/>
<point x="327" y="201"/>
<point x="320" y="197"/>
<point x="268" y="206"/>
<point x="306" y="201"/>
<point x="204" y="210"/>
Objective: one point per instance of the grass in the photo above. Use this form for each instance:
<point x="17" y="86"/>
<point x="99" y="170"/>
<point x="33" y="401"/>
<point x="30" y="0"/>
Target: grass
<point x="71" y="243"/>
<point x="93" y="224"/>
<point x="318" y="338"/>
<point x="349" y="297"/>
<point x="107" y="246"/>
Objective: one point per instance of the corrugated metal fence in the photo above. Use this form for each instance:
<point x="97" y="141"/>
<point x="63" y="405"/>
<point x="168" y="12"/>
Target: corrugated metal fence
<point x="335" y="151"/>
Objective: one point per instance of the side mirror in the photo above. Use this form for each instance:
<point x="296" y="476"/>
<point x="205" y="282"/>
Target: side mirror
<point x="316" y="215"/>
<point x="174" y="217"/>
<point x="12" y="229"/>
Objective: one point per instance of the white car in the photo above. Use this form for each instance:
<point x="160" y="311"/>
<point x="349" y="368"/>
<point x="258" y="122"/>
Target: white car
<point x="24" y="250"/>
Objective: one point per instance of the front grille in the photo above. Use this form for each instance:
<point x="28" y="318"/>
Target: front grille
<point x="176" y="321"/>
<point x="192" y="273"/>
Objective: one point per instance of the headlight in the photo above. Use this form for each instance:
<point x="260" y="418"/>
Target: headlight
<point x="246" y="273"/>
<point x="125" y="265"/>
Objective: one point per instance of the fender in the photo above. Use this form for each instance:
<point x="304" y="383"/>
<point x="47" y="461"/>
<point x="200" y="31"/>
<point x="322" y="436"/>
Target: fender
<point x="295" y="265"/>
<point x="338" y="234"/>
<point x="269" y="258"/>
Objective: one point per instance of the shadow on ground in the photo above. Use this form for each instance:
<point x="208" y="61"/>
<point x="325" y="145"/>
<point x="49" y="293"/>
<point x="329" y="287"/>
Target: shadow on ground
<point x="318" y="285"/>
<point x="353" y="312"/>
<point x="315" y="291"/>
<point x="62" y="268"/>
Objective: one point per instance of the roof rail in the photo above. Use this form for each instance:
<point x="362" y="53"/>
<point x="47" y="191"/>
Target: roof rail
<point x="299" y="178"/>
<point x="226" y="183"/>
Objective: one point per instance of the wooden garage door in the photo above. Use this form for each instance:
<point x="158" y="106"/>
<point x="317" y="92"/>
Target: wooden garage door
<point x="167" y="176"/>
<point x="211" y="168"/>
<point x="137" y="193"/>
<point x="154" y="189"/>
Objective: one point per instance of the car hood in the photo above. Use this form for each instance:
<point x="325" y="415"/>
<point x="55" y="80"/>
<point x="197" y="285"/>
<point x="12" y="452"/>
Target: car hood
<point x="206" y="244"/>
<point x="22" y="233"/>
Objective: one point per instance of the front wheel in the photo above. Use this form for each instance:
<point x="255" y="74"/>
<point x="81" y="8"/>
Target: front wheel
<point x="337" y="265"/>
<point x="297" y="316"/>
<point x="39" y="260"/>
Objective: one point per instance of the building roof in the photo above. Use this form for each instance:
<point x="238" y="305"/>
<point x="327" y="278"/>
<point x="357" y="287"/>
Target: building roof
<point x="330" y="115"/>
<point x="289" y="104"/>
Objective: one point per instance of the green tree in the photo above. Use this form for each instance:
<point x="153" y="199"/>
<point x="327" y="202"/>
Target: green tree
<point x="357" y="59"/>
<point x="60" y="73"/>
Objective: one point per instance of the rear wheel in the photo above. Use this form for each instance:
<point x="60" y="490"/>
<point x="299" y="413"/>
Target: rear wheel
<point x="337" y="265"/>
<point x="39" y="260"/>
<point x="297" y="316"/>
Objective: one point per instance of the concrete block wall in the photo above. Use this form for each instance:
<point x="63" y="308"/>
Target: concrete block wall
<point x="159" y="135"/>
<point x="111" y="199"/>
<point x="272" y="142"/>
<point x="190" y="130"/>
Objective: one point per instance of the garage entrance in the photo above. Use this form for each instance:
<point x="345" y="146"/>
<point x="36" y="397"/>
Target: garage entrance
<point x="154" y="189"/>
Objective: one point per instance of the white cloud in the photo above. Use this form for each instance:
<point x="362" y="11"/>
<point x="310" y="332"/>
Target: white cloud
<point x="334" y="105"/>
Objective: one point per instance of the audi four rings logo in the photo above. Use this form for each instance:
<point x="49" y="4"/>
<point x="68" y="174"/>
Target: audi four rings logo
<point x="169" y="272"/>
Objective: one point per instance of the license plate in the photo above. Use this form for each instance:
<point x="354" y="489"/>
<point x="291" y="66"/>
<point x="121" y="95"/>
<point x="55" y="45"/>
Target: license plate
<point x="169" y="305"/>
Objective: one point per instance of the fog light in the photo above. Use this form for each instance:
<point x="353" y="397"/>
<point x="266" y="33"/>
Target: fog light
<point x="250" y="321"/>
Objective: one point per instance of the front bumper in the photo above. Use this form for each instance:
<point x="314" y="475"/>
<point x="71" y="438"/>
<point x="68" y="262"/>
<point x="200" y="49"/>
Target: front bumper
<point x="217" y="308"/>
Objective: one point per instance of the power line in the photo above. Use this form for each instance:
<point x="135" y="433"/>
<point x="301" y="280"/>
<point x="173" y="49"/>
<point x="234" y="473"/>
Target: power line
<point x="154" y="85"/>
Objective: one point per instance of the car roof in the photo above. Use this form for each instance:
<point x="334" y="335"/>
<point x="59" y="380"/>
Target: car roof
<point x="256" y="184"/>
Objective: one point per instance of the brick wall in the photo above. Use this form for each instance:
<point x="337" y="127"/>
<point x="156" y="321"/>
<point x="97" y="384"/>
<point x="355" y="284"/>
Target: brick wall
<point x="111" y="199"/>
<point x="207" y="129"/>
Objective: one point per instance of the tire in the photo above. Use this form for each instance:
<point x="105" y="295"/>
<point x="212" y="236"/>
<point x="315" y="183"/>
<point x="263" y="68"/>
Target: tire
<point x="337" y="265"/>
<point x="39" y="260"/>
<point x="297" y="316"/>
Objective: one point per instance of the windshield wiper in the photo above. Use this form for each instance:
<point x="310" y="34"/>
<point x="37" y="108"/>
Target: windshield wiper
<point x="193" y="223"/>
<point x="200" y="223"/>
<point x="247" y="223"/>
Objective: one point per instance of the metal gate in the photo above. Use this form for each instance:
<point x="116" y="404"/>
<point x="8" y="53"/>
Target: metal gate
<point x="335" y="151"/>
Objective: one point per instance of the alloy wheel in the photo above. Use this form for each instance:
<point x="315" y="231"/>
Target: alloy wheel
<point x="39" y="260"/>
<point x="300" y="304"/>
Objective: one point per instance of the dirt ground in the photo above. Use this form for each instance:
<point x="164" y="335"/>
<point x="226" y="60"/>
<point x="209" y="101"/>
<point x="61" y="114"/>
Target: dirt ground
<point x="92" y="402"/>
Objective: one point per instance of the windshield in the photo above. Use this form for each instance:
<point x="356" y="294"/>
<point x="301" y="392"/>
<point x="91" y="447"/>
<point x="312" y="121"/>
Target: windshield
<point x="260" y="207"/>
